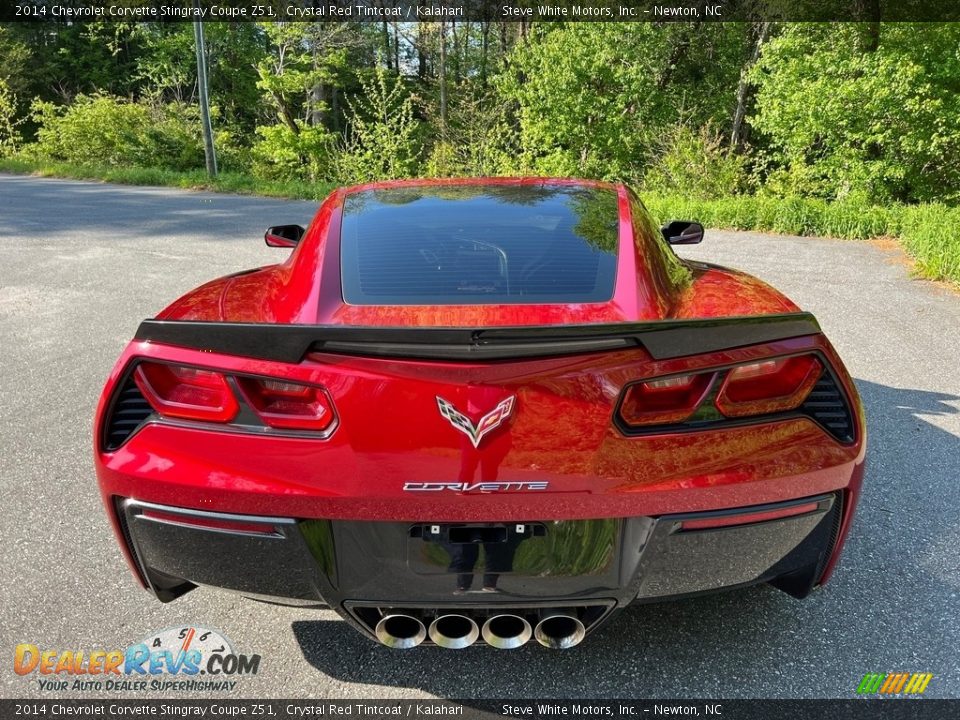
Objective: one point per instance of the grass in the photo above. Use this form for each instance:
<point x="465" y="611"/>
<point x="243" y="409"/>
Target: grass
<point x="930" y="233"/>
<point x="226" y="182"/>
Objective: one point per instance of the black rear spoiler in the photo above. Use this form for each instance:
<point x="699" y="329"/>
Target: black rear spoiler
<point x="663" y="339"/>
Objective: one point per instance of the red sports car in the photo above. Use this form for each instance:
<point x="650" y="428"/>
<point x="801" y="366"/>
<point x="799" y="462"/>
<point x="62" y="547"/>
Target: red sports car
<point x="477" y="410"/>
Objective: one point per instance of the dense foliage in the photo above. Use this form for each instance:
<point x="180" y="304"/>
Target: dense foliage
<point x="594" y="99"/>
<point x="117" y="132"/>
<point x="831" y="111"/>
<point x="927" y="231"/>
<point x="756" y="125"/>
<point x="842" y="112"/>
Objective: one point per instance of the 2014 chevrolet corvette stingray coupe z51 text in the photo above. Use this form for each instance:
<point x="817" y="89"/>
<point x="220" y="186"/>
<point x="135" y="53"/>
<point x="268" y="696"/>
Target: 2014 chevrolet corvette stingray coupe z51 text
<point x="480" y="411"/>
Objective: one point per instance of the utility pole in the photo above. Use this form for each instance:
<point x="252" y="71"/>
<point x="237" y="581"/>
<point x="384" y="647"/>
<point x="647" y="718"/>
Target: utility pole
<point x="209" y="151"/>
<point x="443" y="74"/>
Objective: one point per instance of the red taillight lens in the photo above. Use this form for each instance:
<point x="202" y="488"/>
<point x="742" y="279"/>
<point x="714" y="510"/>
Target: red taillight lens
<point x="288" y="405"/>
<point x="185" y="392"/>
<point x="660" y="402"/>
<point x="768" y="386"/>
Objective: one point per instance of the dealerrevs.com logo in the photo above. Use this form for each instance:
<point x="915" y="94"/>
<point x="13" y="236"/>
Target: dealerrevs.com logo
<point x="178" y="659"/>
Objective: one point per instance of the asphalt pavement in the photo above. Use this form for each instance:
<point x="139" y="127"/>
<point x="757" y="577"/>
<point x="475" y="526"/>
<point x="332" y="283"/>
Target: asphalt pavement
<point x="82" y="263"/>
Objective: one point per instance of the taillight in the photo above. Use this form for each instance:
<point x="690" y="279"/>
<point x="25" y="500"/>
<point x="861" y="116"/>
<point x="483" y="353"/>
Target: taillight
<point x="185" y="392"/>
<point x="768" y="386"/>
<point x="759" y="388"/>
<point x="287" y="405"/>
<point x="664" y="401"/>
<point x="728" y="519"/>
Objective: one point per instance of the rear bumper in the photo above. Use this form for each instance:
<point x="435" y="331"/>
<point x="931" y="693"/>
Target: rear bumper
<point x="347" y="564"/>
<point x="334" y="520"/>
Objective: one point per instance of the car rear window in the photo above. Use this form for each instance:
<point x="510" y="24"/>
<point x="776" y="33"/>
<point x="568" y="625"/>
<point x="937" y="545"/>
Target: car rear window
<point x="479" y="245"/>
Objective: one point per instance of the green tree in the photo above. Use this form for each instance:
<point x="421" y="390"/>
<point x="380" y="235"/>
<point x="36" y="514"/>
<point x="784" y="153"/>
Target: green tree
<point x="167" y="65"/>
<point x="696" y="164"/>
<point x="15" y="59"/>
<point x="861" y="109"/>
<point x="304" y="61"/>
<point x="591" y="98"/>
<point x="382" y="140"/>
<point x="9" y="132"/>
<point x="476" y="140"/>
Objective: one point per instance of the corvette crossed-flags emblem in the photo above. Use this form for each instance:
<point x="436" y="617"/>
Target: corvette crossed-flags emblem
<point x="488" y="422"/>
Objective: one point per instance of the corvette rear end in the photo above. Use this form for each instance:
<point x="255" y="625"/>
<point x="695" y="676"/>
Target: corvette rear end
<point x="480" y="411"/>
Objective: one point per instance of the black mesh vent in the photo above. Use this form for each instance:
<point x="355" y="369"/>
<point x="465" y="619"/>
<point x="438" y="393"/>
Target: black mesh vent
<point x="835" y="522"/>
<point x="827" y="405"/>
<point x="129" y="411"/>
<point x="127" y="537"/>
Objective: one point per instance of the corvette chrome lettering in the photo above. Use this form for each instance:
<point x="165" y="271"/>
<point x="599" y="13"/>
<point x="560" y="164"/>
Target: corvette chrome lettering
<point x="488" y="422"/>
<point x="483" y="487"/>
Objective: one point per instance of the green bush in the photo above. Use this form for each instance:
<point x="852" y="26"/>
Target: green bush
<point x="592" y="99"/>
<point x="279" y="153"/>
<point x="9" y="134"/>
<point x="233" y="154"/>
<point x="476" y="140"/>
<point x="843" y="113"/>
<point x="382" y="141"/>
<point x="927" y="232"/>
<point x="115" y="132"/>
<point x="695" y="163"/>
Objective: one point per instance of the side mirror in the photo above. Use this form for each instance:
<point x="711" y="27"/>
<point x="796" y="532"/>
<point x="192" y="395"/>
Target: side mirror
<point x="284" y="236"/>
<point x="682" y="232"/>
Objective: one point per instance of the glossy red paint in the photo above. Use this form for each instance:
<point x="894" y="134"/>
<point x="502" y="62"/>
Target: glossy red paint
<point x="306" y="288"/>
<point x="561" y="430"/>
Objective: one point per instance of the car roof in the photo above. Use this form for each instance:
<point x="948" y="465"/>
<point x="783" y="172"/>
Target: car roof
<point x="481" y="181"/>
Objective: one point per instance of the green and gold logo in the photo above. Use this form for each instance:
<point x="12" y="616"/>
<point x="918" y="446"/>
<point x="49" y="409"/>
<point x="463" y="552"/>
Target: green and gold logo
<point x="894" y="683"/>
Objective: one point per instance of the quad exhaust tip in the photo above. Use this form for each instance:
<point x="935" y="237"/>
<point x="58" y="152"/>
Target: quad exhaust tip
<point x="400" y="632"/>
<point x="506" y="632"/>
<point x="559" y="630"/>
<point x="454" y="631"/>
<point x="556" y="629"/>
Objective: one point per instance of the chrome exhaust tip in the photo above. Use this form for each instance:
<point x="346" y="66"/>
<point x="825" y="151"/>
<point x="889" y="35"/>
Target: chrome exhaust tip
<point x="400" y="632"/>
<point x="454" y="632"/>
<point x="506" y="632"/>
<point x="559" y="630"/>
